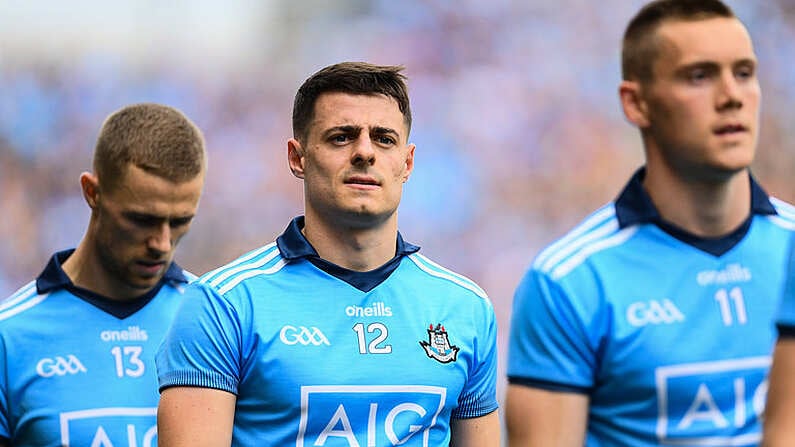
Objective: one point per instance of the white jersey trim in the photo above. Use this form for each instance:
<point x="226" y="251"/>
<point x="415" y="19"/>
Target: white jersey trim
<point x="594" y="247"/>
<point x="230" y="270"/>
<point x="207" y="276"/>
<point x="785" y="209"/>
<point x="786" y="214"/>
<point x="250" y="274"/>
<point x="438" y="271"/>
<point x="599" y="224"/>
<point x="190" y="276"/>
<point x="22" y="300"/>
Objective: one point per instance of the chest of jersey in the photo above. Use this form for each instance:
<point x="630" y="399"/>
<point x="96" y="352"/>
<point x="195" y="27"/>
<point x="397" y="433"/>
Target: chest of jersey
<point x="355" y="368"/>
<point x="690" y="340"/>
<point x="87" y="380"/>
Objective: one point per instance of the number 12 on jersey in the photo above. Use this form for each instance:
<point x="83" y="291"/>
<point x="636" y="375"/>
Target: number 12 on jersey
<point x="376" y="344"/>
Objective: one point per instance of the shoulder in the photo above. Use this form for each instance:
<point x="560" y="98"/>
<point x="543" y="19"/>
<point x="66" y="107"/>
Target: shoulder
<point x="27" y="297"/>
<point x="189" y="276"/>
<point x="785" y="214"/>
<point x="446" y="277"/>
<point x="264" y="261"/>
<point x="594" y="235"/>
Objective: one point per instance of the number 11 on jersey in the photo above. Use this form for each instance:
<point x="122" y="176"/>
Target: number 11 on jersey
<point x="725" y="300"/>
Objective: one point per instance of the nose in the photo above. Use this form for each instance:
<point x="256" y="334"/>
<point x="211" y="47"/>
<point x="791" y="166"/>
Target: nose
<point x="729" y="93"/>
<point x="363" y="152"/>
<point x="160" y="240"/>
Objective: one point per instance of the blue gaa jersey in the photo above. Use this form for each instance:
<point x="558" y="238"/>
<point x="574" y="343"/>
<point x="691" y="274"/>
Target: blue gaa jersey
<point x="669" y="335"/>
<point x="786" y="312"/>
<point x="319" y="355"/>
<point x="77" y="369"/>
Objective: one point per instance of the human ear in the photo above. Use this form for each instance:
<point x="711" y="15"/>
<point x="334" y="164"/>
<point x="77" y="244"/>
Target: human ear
<point x="409" y="163"/>
<point x="295" y="157"/>
<point x="89" y="183"/>
<point x="633" y="103"/>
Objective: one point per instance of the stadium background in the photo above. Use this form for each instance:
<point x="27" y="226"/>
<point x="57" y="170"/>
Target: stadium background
<point x="518" y="129"/>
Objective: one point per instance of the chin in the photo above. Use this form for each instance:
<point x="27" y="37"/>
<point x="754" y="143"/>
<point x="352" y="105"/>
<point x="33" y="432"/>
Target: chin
<point x="144" y="284"/>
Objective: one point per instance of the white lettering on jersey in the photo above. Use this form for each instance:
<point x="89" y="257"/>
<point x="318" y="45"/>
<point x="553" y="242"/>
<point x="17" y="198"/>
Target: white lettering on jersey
<point x="377" y="309"/>
<point x="133" y="333"/>
<point x="732" y="273"/>
<point x="101" y="439"/>
<point x="59" y="366"/>
<point x="291" y="335"/>
<point x="641" y="313"/>
<point x="368" y="415"/>
<point x="339" y="417"/>
<point x="710" y="413"/>
<point x="712" y="403"/>
<point x="112" y="427"/>
<point x="389" y="425"/>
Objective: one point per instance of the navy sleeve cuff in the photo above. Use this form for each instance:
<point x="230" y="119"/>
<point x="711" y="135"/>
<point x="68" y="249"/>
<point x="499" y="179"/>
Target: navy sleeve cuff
<point x="550" y="386"/>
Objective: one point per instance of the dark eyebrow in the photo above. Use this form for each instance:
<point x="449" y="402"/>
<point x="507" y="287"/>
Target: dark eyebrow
<point x="385" y="130"/>
<point x="704" y="65"/>
<point x="714" y="66"/>
<point x="154" y="217"/>
<point x="747" y="62"/>
<point x="344" y="129"/>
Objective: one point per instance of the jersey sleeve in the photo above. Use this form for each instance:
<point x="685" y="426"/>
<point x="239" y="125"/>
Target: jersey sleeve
<point x="554" y="335"/>
<point x="479" y="397"/>
<point x="785" y="321"/>
<point x="204" y="344"/>
<point x="5" y="429"/>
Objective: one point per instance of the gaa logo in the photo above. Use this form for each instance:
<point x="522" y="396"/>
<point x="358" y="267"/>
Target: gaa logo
<point x="59" y="366"/>
<point x="291" y="335"/>
<point x="642" y="313"/>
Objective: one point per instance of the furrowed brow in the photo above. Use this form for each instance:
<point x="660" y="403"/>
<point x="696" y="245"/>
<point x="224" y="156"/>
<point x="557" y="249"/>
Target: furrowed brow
<point x="345" y="129"/>
<point x="384" y="131"/>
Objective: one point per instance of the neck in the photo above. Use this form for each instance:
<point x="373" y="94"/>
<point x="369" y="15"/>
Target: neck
<point x="358" y="249"/>
<point x="86" y="271"/>
<point x="705" y="208"/>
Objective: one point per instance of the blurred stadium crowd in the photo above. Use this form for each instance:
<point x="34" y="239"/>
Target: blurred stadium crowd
<point x="517" y="124"/>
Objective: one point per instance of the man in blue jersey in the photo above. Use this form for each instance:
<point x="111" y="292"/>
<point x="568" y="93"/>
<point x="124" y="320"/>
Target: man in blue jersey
<point x="651" y="322"/>
<point x="339" y="333"/>
<point x="77" y="345"/>
<point x="780" y="409"/>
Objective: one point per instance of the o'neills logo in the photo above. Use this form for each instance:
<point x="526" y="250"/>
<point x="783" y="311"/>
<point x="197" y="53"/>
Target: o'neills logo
<point x="377" y="309"/>
<point x="133" y="333"/>
<point x="732" y="273"/>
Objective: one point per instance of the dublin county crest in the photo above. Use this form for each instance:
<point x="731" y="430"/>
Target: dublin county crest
<point x="438" y="345"/>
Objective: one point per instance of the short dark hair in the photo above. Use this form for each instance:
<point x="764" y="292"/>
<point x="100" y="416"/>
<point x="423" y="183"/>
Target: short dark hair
<point x="357" y="78"/>
<point x="640" y="47"/>
<point x="159" y="139"/>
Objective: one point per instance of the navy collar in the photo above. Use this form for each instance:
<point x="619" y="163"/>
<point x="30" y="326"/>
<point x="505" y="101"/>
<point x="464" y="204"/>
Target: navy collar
<point x="53" y="277"/>
<point x="634" y="206"/>
<point x="293" y="245"/>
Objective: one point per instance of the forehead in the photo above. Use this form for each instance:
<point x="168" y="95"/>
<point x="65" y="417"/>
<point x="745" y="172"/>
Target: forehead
<point x="343" y="109"/>
<point x="141" y="191"/>
<point x="720" y="40"/>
